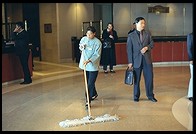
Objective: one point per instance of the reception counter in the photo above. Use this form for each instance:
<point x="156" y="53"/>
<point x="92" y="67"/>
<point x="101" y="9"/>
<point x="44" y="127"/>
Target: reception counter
<point x="166" y="49"/>
<point x="11" y="67"/>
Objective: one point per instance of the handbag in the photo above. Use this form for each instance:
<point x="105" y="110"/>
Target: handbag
<point x="107" y="43"/>
<point x="129" y="76"/>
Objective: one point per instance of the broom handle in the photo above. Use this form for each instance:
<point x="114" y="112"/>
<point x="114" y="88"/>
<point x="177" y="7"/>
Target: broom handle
<point x="87" y="93"/>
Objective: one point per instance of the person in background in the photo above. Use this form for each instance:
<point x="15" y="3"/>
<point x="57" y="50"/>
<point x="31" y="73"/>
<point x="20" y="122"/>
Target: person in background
<point x="108" y="56"/>
<point x="190" y="57"/>
<point x="90" y="48"/>
<point x="21" y="40"/>
<point x="139" y="45"/>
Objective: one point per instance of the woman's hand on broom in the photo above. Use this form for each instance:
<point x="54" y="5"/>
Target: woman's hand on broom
<point x="86" y="62"/>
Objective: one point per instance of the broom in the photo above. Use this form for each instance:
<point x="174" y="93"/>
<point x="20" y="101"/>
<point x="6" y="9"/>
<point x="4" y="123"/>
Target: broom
<point x="88" y="119"/>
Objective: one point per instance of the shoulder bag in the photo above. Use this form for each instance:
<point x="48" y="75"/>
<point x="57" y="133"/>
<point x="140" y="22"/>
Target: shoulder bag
<point x="107" y="43"/>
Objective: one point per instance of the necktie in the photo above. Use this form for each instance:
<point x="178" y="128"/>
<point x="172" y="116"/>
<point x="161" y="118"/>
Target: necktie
<point x="141" y="36"/>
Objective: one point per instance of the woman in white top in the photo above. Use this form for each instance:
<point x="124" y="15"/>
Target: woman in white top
<point x="90" y="47"/>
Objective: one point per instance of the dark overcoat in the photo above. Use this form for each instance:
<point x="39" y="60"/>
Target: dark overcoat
<point x="108" y="55"/>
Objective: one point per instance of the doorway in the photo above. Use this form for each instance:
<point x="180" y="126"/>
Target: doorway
<point x="31" y="15"/>
<point x="104" y="12"/>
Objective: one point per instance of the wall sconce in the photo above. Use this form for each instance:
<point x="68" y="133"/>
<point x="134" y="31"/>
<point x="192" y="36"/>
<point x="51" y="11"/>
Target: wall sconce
<point x="157" y="12"/>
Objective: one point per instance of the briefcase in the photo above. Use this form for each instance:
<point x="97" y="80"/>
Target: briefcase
<point x="129" y="76"/>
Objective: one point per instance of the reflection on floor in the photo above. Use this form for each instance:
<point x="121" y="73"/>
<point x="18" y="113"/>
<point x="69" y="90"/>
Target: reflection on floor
<point x="57" y="94"/>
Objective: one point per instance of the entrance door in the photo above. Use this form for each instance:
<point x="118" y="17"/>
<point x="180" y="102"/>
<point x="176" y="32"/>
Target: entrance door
<point x="31" y="15"/>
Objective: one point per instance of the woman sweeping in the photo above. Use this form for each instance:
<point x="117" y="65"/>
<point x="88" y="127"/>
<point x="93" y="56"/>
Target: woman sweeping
<point x="90" y="59"/>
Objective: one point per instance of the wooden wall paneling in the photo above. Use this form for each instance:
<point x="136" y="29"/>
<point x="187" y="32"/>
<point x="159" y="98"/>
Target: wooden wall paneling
<point x="166" y="51"/>
<point x="157" y="52"/>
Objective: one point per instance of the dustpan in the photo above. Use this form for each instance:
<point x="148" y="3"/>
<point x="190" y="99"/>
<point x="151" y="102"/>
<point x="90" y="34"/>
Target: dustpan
<point x="89" y="119"/>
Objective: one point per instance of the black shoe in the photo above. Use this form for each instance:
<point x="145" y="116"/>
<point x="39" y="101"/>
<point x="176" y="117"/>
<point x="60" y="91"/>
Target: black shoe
<point x="112" y="71"/>
<point x="153" y="99"/>
<point x="94" y="97"/>
<point x="25" y="82"/>
<point x="190" y="98"/>
<point x="136" y="100"/>
<point x="105" y="71"/>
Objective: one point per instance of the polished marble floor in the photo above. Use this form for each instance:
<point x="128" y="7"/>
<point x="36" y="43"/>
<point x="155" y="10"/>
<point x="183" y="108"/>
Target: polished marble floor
<point x="57" y="94"/>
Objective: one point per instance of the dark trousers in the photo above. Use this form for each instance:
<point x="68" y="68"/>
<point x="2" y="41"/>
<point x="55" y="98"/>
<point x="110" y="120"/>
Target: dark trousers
<point x="91" y="79"/>
<point x="25" y="67"/>
<point x="148" y="79"/>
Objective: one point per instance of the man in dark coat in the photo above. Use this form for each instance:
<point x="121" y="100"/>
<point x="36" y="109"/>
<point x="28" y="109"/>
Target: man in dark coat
<point x="21" y="39"/>
<point x="139" y="45"/>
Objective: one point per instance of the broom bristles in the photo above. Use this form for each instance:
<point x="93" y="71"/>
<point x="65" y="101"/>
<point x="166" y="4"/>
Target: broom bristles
<point x="88" y="120"/>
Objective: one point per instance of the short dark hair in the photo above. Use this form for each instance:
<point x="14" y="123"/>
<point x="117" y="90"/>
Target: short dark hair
<point x="91" y="28"/>
<point x="138" y="19"/>
<point x="20" y="24"/>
